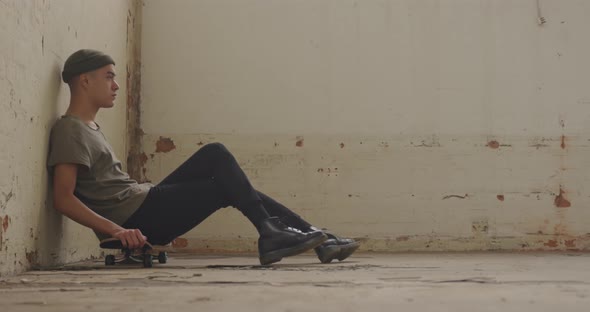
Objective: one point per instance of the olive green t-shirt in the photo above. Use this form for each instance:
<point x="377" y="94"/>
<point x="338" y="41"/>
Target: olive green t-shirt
<point x="101" y="184"/>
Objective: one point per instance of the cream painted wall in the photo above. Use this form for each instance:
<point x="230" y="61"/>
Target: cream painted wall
<point x="412" y="125"/>
<point x="37" y="37"/>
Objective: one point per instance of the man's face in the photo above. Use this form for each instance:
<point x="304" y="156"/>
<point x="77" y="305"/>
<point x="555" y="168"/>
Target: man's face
<point x="102" y="87"/>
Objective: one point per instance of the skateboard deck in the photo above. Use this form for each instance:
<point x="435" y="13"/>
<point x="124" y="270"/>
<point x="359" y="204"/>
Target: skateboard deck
<point x="145" y="255"/>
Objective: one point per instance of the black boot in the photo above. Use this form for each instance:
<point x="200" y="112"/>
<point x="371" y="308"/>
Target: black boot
<point x="335" y="248"/>
<point x="278" y="240"/>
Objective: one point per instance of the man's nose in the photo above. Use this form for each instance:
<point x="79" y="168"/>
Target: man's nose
<point x="115" y="86"/>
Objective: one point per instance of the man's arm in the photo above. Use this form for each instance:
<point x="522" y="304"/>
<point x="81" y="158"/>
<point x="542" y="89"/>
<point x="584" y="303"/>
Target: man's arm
<point x="64" y="201"/>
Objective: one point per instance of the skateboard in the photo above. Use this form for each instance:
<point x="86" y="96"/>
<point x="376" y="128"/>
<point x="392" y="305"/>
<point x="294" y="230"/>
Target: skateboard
<point x="146" y="254"/>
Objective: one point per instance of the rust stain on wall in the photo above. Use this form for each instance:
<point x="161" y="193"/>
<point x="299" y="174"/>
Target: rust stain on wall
<point x="561" y="201"/>
<point x="164" y="145"/>
<point x="570" y="243"/>
<point x="551" y="243"/>
<point x="500" y="197"/>
<point x="133" y="71"/>
<point x="143" y="159"/>
<point x="563" y="142"/>
<point x="5" y="223"/>
<point x="493" y="144"/>
<point x="180" y="243"/>
<point x="299" y="142"/>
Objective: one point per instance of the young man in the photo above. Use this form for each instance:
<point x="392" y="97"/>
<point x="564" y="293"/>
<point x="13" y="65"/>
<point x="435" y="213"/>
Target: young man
<point x="90" y="188"/>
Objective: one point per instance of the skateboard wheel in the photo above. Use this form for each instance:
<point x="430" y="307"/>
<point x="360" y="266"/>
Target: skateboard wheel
<point x="147" y="261"/>
<point x="162" y="257"/>
<point x="109" y="260"/>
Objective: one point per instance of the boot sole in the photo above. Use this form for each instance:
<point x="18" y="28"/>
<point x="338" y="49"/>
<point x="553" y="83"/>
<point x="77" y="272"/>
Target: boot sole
<point x="340" y="252"/>
<point x="328" y="253"/>
<point x="348" y="250"/>
<point x="278" y="255"/>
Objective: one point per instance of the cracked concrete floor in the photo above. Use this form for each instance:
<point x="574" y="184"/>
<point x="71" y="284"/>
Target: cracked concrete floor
<point x="367" y="282"/>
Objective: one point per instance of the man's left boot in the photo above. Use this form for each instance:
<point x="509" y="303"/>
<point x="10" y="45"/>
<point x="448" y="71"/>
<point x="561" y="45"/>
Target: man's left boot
<point x="335" y="247"/>
<point x="277" y="240"/>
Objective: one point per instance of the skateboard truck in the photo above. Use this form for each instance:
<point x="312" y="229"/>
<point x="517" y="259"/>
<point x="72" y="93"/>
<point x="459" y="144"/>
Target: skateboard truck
<point x="145" y="255"/>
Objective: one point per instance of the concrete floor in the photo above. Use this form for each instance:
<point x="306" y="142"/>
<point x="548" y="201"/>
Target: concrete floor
<point x="367" y="282"/>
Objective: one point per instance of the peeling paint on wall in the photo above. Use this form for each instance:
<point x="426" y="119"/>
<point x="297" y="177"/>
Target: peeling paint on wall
<point x="561" y="201"/>
<point x="180" y="242"/>
<point x="299" y="142"/>
<point x="164" y="145"/>
<point x="493" y="144"/>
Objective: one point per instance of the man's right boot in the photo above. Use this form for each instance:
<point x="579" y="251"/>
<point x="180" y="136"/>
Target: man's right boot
<point x="278" y="240"/>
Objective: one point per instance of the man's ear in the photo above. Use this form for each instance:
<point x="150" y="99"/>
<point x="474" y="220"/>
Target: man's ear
<point x="84" y="81"/>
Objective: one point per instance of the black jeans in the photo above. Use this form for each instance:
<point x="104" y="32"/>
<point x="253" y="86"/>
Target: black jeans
<point x="209" y="180"/>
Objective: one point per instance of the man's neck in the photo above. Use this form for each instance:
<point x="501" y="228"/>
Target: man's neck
<point x="82" y="109"/>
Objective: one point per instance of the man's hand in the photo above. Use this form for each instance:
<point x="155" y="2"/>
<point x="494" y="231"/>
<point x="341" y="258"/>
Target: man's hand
<point x="131" y="238"/>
